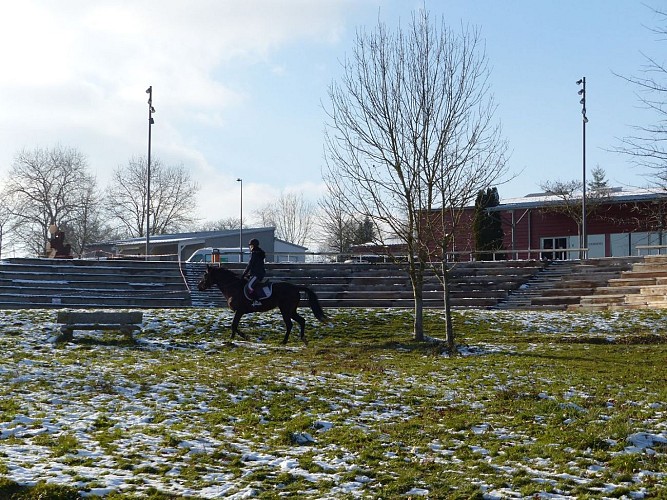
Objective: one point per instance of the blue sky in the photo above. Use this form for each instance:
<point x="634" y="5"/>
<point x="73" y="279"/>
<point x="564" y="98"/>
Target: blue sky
<point x="239" y="85"/>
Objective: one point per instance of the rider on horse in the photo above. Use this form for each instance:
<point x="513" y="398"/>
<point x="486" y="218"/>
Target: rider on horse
<point x="255" y="269"/>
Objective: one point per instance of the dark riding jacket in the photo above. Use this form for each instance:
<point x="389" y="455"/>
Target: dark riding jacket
<point x="256" y="265"/>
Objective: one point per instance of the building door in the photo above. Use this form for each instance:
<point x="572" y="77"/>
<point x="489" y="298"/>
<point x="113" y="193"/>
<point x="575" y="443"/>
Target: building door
<point x="553" y="248"/>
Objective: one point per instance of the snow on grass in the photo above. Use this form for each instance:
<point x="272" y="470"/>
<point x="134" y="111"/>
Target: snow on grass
<point x="533" y="407"/>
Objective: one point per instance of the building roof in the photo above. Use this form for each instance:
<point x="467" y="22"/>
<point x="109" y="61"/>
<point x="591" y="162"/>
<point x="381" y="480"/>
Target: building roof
<point x="288" y="244"/>
<point x="616" y="195"/>
<point x="156" y="240"/>
<point x="192" y="237"/>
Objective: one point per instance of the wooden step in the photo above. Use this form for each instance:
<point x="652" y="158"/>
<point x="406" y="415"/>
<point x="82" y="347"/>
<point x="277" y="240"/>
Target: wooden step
<point x="602" y="299"/>
<point x="617" y="290"/>
<point x="655" y="290"/>
<point x="631" y="281"/>
<point x="559" y="300"/>
<point x="644" y="274"/>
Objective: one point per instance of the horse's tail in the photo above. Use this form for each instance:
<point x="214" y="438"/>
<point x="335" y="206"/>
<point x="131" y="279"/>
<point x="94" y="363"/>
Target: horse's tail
<point x="314" y="303"/>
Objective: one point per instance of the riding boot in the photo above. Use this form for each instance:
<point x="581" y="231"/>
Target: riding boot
<point x="253" y="297"/>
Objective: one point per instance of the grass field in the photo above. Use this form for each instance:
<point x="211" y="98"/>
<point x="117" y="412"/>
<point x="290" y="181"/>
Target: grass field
<point x="535" y="405"/>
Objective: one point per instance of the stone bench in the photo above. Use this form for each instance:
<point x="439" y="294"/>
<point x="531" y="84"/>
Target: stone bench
<point x="125" y="322"/>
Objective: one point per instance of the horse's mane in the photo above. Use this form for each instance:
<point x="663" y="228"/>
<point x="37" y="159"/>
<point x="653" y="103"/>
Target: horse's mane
<point x="227" y="275"/>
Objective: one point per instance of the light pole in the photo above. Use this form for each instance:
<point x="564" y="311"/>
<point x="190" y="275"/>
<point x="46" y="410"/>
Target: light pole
<point x="151" y="110"/>
<point x="584" y="121"/>
<point x="241" y="223"/>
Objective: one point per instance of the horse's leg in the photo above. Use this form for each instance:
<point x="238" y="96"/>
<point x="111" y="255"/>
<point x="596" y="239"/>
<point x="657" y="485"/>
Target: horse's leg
<point x="302" y="323"/>
<point x="235" y="325"/>
<point x="288" y="323"/>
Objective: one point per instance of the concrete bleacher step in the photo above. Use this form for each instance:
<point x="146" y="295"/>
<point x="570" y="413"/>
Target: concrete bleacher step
<point x="646" y="273"/>
<point x="137" y="284"/>
<point x="562" y="284"/>
<point x="642" y="286"/>
<point x="616" y="290"/>
<point x="477" y="284"/>
<point x="603" y="299"/>
<point x="546" y="278"/>
<point x="13" y="301"/>
<point x="631" y="281"/>
<point x="654" y="291"/>
<point x="646" y="299"/>
<point x="573" y="282"/>
<point x="48" y="283"/>
<point x="569" y="291"/>
<point x="561" y="300"/>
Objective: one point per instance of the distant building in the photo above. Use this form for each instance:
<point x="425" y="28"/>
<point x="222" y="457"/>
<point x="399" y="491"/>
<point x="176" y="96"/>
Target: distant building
<point x="180" y="246"/>
<point x="285" y="251"/>
<point x="625" y="222"/>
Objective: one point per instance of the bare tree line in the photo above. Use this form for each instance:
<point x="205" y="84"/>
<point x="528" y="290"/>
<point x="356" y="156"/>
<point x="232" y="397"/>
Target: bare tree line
<point x="645" y="146"/>
<point x="47" y="186"/>
<point x="54" y="186"/>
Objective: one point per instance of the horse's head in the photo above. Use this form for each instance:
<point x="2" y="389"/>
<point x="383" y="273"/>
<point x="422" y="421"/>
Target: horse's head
<point x="206" y="281"/>
<point x="215" y="275"/>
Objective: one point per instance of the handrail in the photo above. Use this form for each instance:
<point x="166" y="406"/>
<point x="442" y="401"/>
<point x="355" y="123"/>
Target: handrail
<point x="371" y="257"/>
<point x="659" y="248"/>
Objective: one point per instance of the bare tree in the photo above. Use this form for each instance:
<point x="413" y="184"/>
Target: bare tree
<point x="48" y="186"/>
<point x="567" y="199"/>
<point x="411" y="138"/>
<point x="88" y="226"/>
<point x="6" y="222"/>
<point x="220" y="224"/>
<point x="568" y="195"/>
<point x="646" y="146"/>
<point x="173" y="195"/>
<point x="292" y="216"/>
<point x="335" y="223"/>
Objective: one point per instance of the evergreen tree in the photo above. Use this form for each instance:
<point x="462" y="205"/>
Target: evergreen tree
<point x="598" y="185"/>
<point x="365" y="232"/>
<point x="487" y="226"/>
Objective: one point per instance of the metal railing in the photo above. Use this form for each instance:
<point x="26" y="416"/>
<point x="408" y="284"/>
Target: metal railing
<point x="367" y="258"/>
<point x="661" y="249"/>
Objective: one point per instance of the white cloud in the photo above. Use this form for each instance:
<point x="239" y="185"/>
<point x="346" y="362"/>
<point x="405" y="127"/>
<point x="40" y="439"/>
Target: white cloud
<point x="74" y="73"/>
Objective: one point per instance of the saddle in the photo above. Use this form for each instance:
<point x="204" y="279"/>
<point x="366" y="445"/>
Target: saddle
<point x="263" y="290"/>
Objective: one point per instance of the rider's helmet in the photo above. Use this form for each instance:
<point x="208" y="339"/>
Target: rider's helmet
<point x="253" y="242"/>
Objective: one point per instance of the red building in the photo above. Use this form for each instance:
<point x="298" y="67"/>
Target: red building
<point x="623" y="222"/>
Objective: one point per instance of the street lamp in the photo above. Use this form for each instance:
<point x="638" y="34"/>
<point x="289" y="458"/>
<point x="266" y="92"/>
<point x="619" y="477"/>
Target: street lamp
<point x="151" y="110"/>
<point x="584" y="121"/>
<point x="241" y="223"/>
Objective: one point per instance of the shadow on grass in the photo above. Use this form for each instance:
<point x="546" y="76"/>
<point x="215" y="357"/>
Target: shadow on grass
<point x="41" y="491"/>
<point x="429" y="347"/>
<point x="633" y="339"/>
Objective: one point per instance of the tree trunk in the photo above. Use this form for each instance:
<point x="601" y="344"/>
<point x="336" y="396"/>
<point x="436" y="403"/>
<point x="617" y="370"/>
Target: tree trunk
<point x="449" y="330"/>
<point x="417" y="280"/>
<point x="419" y="314"/>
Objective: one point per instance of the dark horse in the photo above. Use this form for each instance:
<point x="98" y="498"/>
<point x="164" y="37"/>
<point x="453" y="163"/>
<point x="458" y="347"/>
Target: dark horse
<point x="285" y="296"/>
